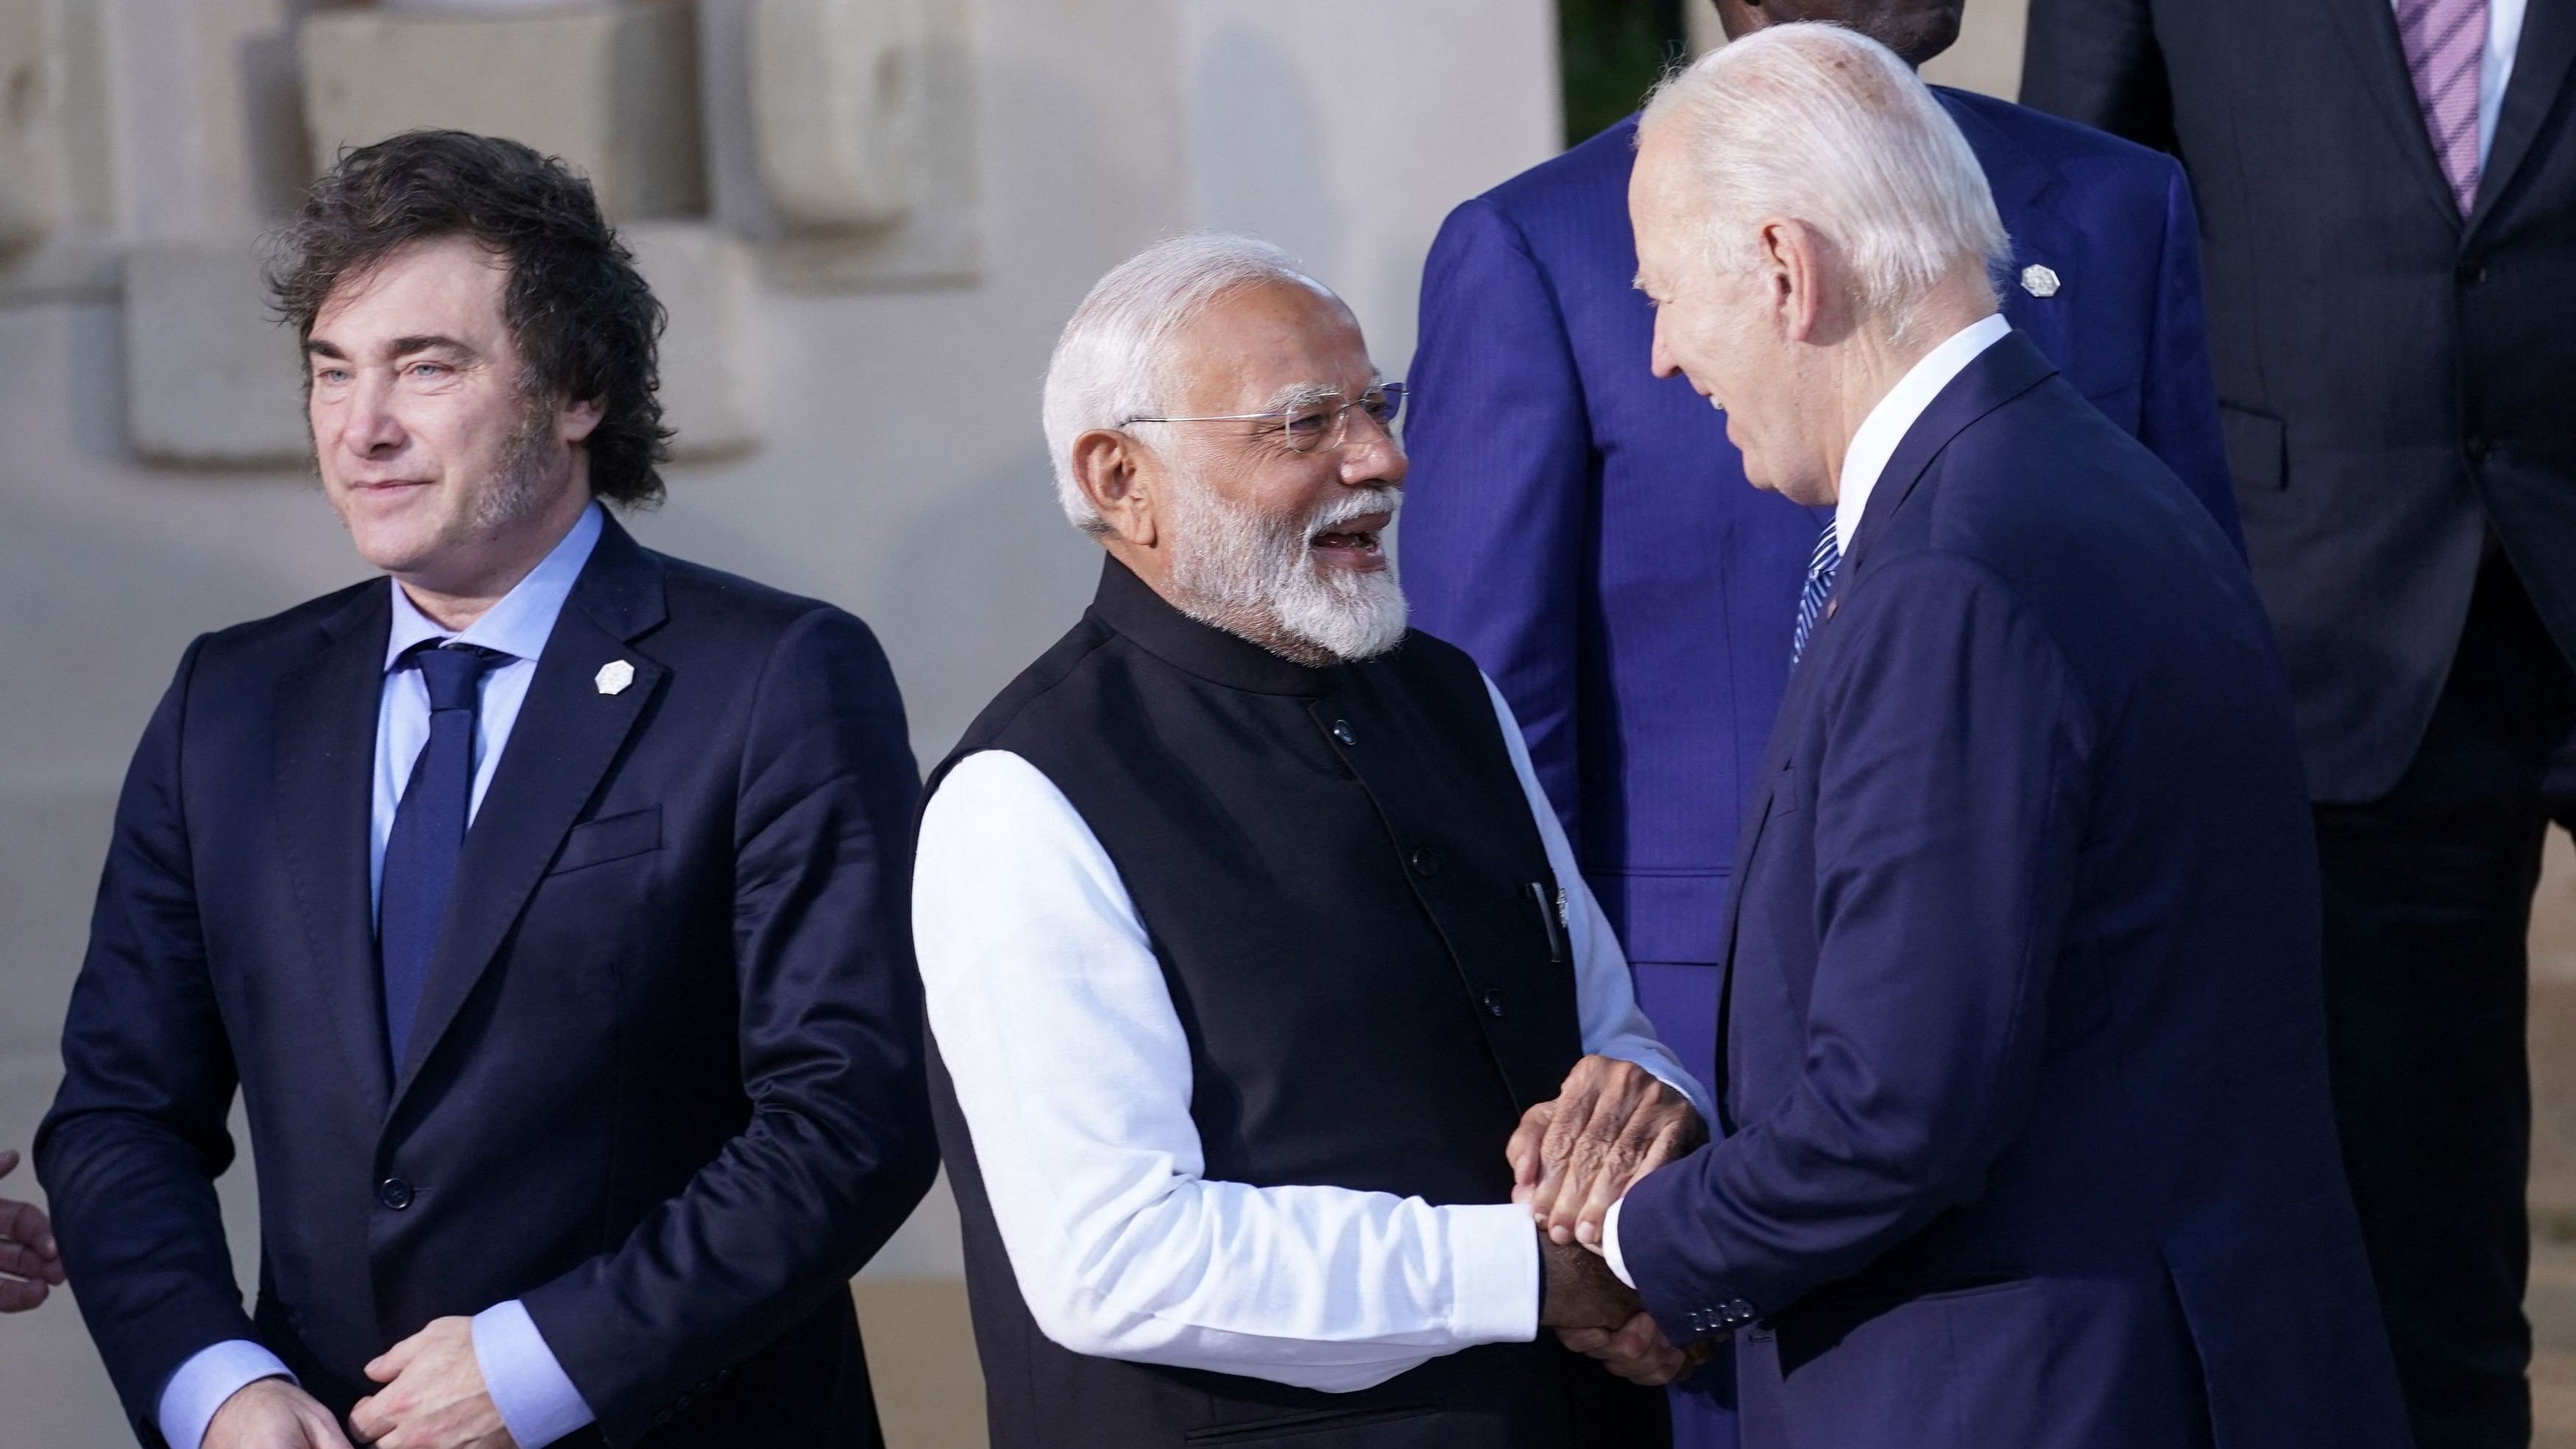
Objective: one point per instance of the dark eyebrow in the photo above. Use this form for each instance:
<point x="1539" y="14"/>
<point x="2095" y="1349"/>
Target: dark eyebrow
<point x="316" y="347"/>
<point x="406" y="346"/>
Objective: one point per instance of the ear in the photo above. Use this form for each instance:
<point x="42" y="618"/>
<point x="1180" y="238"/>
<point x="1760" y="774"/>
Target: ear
<point x="576" y="421"/>
<point x="1118" y="475"/>
<point x="1792" y="260"/>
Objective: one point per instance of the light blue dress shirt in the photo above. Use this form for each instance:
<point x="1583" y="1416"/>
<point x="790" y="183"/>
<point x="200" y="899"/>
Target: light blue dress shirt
<point x="535" y="1397"/>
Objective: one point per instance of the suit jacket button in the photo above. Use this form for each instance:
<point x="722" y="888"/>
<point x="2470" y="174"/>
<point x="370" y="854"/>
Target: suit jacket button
<point x="2477" y="447"/>
<point x="1342" y="731"/>
<point x="394" y="1193"/>
<point x="1494" y="1004"/>
<point x="1426" y="861"/>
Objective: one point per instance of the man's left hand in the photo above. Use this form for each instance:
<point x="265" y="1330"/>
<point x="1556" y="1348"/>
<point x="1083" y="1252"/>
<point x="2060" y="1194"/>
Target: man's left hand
<point x="1611" y="1124"/>
<point x="433" y="1395"/>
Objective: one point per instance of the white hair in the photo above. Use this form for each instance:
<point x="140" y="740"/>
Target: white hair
<point x="1826" y="126"/>
<point x="1114" y="361"/>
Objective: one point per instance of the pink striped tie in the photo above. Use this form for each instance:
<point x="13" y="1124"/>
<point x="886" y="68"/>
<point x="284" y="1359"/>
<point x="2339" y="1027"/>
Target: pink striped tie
<point x="2444" y="41"/>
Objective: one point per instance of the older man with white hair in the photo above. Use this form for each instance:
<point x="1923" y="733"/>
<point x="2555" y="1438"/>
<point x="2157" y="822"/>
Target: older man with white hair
<point x="2025" y="1132"/>
<point x="1250" y="944"/>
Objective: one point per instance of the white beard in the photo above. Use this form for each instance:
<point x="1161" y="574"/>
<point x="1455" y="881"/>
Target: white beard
<point x="1257" y="577"/>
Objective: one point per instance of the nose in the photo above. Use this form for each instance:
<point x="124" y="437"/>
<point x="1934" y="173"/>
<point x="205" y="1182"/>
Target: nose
<point x="1658" y="357"/>
<point x="369" y="424"/>
<point x="1371" y="457"/>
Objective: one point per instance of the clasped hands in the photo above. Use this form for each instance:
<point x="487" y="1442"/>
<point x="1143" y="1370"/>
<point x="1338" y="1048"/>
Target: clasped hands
<point x="433" y="1397"/>
<point x="1612" y="1123"/>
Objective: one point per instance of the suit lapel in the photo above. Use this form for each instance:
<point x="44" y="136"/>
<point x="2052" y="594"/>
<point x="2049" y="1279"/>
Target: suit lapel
<point x="2540" y="65"/>
<point x="2369" y="31"/>
<point x="1758" y="818"/>
<point x="2012" y="366"/>
<point x="567" y="735"/>
<point x="324" y="761"/>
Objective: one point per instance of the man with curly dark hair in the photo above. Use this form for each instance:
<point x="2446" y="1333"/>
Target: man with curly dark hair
<point x="543" y="900"/>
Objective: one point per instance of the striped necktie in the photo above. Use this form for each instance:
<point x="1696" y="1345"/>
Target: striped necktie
<point x="1821" y="568"/>
<point x="2445" y="40"/>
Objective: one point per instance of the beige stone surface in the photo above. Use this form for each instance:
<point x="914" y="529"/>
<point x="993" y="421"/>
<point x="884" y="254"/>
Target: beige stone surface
<point x="711" y="374"/>
<point x="842" y="137"/>
<point x="921" y="1361"/>
<point x="210" y="375"/>
<point x="611" y="88"/>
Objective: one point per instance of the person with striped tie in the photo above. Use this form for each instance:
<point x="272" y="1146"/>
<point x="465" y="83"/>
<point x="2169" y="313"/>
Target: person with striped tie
<point x="2387" y="190"/>
<point x="2024" y="1135"/>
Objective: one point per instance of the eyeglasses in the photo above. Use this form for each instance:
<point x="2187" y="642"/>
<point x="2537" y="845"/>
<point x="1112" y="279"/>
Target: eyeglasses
<point x="1317" y="423"/>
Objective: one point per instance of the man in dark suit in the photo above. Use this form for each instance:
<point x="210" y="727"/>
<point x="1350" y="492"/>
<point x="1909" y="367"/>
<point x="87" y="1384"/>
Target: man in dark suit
<point x="2388" y="198"/>
<point x="572" y="1124"/>
<point x="1582" y="527"/>
<point x="2027" y="1135"/>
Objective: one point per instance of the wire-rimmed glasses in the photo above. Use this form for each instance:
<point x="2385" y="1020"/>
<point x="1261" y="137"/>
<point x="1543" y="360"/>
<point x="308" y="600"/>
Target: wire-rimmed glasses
<point x="1312" y="424"/>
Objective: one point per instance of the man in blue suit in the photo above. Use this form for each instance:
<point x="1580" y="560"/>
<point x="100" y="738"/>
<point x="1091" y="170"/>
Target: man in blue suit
<point x="2027" y="1138"/>
<point x="1582" y="527"/>
<point x="544" y="902"/>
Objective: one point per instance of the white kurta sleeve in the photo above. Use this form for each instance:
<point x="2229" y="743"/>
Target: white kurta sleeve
<point x="1605" y="994"/>
<point x="1073" y="1072"/>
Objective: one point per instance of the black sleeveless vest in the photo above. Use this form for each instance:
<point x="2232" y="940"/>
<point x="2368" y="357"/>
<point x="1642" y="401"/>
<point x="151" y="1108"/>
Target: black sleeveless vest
<point x="1356" y="919"/>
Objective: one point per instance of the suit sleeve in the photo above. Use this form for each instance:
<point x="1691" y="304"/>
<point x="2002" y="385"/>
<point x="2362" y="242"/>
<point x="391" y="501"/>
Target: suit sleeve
<point x="838" y="1148"/>
<point x="1948" y="809"/>
<point x="129" y="1154"/>
<point x="2096" y="61"/>
<point x="2179" y="415"/>
<point x="1494" y="518"/>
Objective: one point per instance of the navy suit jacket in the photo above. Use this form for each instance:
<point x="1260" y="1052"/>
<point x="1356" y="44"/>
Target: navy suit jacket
<point x="1584" y="530"/>
<point x="665" y="1084"/>
<point x="2028" y="1139"/>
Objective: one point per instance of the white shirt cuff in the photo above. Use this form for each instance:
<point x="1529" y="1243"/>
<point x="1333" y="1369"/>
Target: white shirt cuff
<point x="1493" y="1260"/>
<point x="1610" y="1245"/>
<point x="202" y="1384"/>
<point x="536" y="1398"/>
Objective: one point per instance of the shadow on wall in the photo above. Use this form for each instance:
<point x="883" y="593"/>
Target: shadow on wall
<point x="1261" y="148"/>
<point x="1012" y="614"/>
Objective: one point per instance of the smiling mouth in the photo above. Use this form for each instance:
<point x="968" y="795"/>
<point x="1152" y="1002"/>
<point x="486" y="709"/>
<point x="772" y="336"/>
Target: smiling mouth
<point x="1353" y="539"/>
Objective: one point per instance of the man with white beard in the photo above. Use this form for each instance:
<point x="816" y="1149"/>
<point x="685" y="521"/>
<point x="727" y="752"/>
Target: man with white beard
<point x="1250" y="944"/>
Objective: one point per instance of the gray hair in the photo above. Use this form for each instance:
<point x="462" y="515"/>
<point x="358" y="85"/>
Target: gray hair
<point x="1826" y="126"/>
<point x="1114" y="360"/>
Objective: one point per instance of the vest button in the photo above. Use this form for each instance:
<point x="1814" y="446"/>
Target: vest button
<point x="394" y="1193"/>
<point x="1426" y="861"/>
<point x="1342" y="731"/>
<point x="2477" y="447"/>
<point x="1494" y="1003"/>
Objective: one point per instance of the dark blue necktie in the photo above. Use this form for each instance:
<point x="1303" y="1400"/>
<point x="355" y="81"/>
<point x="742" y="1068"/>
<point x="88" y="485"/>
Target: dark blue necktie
<point x="1821" y="568"/>
<point x="429" y="830"/>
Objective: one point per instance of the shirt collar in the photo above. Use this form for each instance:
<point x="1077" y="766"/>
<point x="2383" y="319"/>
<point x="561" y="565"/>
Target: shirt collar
<point x="519" y="624"/>
<point x="1896" y="414"/>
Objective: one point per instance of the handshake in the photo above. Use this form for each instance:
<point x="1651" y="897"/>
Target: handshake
<point x="1612" y="1123"/>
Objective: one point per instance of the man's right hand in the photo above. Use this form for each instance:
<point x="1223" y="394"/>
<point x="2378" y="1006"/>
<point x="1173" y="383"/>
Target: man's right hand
<point x="1578" y="1290"/>
<point x="273" y="1414"/>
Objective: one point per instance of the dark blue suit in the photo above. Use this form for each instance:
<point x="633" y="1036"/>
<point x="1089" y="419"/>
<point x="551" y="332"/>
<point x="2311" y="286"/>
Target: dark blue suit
<point x="2028" y="1136"/>
<point x="665" y="1083"/>
<point x="1584" y="530"/>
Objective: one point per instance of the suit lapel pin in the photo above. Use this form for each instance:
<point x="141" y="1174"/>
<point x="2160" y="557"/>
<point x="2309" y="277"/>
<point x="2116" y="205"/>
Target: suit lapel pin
<point x="614" y="676"/>
<point x="2039" y="281"/>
